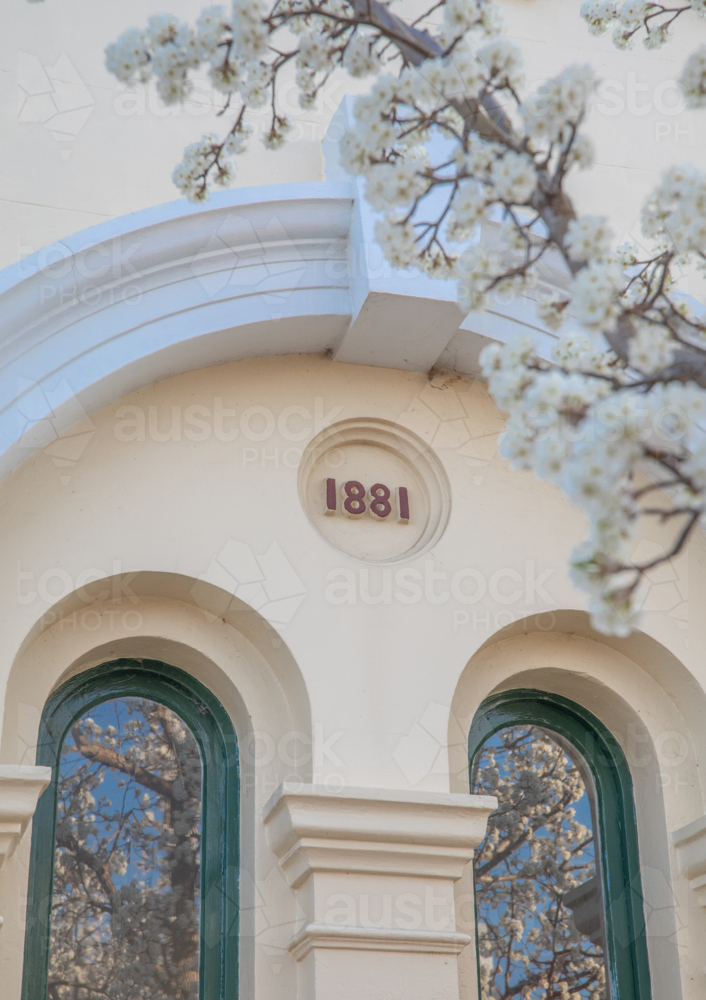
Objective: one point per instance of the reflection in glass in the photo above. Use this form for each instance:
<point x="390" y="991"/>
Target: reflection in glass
<point x="126" y="894"/>
<point x="539" y="899"/>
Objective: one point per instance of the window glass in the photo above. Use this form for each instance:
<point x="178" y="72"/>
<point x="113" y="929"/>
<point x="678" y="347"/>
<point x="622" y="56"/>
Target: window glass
<point x="125" y="914"/>
<point x="539" y="897"/>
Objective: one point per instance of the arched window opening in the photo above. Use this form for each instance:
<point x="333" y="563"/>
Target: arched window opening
<point x="126" y="897"/>
<point x="558" y="900"/>
<point x="134" y="845"/>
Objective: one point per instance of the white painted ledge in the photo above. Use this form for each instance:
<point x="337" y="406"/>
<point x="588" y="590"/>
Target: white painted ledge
<point x="20" y="788"/>
<point x="372" y="830"/>
<point x="690" y="844"/>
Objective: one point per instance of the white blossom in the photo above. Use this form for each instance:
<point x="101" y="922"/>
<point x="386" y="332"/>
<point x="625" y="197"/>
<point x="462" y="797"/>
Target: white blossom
<point x="677" y="209"/>
<point x="360" y="58"/>
<point x="560" y="101"/>
<point x="693" y="78"/>
<point x="594" y="296"/>
<point x="502" y="60"/>
<point x="397" y="241"/>
<point x="588" y="238"/>
<point x="469" y="207"/>
<point x="128" y="58"/>
<point x="395" y="183"/>
<point x="514" y="178"/>
<point x="249" y="31"/>
<point x="598" y="14"/>
<point x="651" y="349"/>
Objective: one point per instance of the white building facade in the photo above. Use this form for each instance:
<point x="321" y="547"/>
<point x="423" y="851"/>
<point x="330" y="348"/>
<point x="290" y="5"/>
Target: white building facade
<point x="238" y="448"/>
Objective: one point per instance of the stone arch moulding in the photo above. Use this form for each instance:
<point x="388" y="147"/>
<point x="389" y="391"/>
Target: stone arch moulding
<point x="196" y="626"/>
<point x="278" y="269"/>
<point x="247" y="666"/>
<point x="650" y="704"/>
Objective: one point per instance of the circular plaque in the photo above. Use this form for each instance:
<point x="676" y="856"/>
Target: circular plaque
<point x="374" y="490"/>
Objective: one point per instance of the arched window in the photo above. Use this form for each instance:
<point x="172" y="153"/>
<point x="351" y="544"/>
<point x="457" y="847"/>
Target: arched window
<point x="557" y="879"/>
<point x="134" y="863"/>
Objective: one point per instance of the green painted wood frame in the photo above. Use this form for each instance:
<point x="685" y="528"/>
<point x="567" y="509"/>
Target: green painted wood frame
<point x="214" y="733"/>
<point x="626" y="944"/>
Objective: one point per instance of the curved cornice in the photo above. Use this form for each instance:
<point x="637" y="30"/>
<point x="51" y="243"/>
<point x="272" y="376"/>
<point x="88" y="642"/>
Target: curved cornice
<point x="84" y="321"/>
<point x="280" y="269"/>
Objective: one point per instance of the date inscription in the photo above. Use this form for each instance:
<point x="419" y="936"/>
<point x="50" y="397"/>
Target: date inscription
<point x="353" y="500"/>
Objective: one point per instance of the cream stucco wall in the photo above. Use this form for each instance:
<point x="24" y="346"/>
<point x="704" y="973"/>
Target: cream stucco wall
<point x="346" y="675"/>
<point x="102" y="557"/>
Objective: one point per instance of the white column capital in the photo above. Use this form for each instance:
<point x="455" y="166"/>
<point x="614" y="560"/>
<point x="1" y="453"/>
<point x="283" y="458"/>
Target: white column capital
<point x="690" y="844"/>
<point x="374" y="830"/>
<point x="20" y="788"/>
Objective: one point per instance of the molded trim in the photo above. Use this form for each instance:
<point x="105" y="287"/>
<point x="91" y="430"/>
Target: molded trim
<point x="376" y="939"/>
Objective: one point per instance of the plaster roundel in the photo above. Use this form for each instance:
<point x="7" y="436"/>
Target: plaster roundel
<point x="374" y="490"/>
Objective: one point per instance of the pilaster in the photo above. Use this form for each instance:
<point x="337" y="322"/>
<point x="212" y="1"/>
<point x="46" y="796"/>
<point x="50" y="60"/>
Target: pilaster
<point x="374" y="870"/>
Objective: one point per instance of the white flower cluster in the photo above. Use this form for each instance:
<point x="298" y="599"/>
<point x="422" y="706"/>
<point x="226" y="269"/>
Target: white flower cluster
<point x="199" y="157"/>
<point x="588" y="238"/>
<point x="676" y="211"/>
<point x="249" y="30"/>
<point x="395" y="121"/>
<point x="169" y="49"/>
<point x="472" y="269"/>
<point x="651" y="348"/>
<point x="599" y="14"/>
<point x="468" y="209"/>
<point x="693" y="78"/>
<point x="397" y="183"/>
<point x="514" y="178"/>
<point x="503" y="62"/>
<point x="632" y="16"/>
<point x="595" y="296"/>
<point x="396" y="237"/>
<point x="360" y="58"/>
<point x="559" y="102"/>
<point x="572" y="427"/>
<point x="462" y="16"/>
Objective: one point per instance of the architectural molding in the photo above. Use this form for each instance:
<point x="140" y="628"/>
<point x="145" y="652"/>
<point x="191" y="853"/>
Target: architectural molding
<point x="376" y="939"/>
<point x="277" y="269"/>
<point x="373" y="830"/>
<point x="415" y="844"/>
<point x="20" y="788"/>
<point x="690" y="844"/>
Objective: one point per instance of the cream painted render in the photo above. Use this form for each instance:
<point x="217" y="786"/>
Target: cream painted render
<point x="162" y="376"/>
<point x="113" y="555"/>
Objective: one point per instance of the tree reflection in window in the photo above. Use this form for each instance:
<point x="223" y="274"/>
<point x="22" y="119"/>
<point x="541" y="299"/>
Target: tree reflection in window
<point x="539" y="898"/>
<point x="126" y="893"/>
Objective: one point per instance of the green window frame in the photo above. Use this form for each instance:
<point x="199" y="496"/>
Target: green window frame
<point x="215" y="735"/>
<point x="626" y="943"/>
